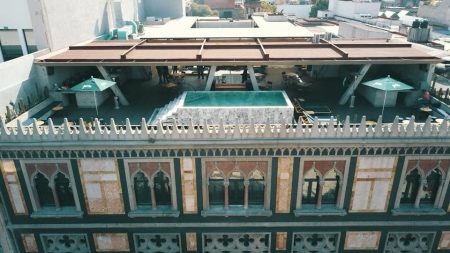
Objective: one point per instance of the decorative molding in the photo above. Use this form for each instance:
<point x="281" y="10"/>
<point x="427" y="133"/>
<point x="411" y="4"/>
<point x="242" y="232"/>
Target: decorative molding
<point x="409" y="242"/>
<point x="236" y="242"/>
<point x="153" y="243"/>
<point x="237" y="150"/>
<point x="310" y="242"/>
<point x="65" y="243"/>
<point x="160" y="132"/>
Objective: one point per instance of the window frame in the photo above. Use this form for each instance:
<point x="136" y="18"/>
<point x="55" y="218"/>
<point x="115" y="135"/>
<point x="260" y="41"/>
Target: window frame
<point x="325" y="209"/>
<point x="437" y="208"/>
<point x="160" y="211"/>
<point x="231" y="210"/>
<point x="47" y="212"/>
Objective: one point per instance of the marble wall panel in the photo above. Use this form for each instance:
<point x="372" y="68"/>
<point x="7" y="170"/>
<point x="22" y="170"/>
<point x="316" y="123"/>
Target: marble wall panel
<point x="101" y="185"/>
<point x="13" y="187"/>
<point x="362" y="240"/>
<point x="284" y="184"/>
<point x="372" y="184"/>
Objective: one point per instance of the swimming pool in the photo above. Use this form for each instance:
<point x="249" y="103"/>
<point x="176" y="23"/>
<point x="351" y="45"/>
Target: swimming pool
<point x="234" y="99"/>
<point x="235" y="107"/>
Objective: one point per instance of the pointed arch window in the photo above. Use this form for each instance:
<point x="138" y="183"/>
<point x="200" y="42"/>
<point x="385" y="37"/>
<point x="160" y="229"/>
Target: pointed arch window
<point x="52" y="187"/>
<point x="331" y="188"/>
<point x="256" y="189"/>
<point x="423" y="187"/>
<point x="161" y="184"/>
<point x="430" y="188"/>
<point x="236" y="188"/>
<point x="411" y="187"/>
<point x="64" y="191"/>
<point x="43" y="191"/>
<point x="321" y="187"/>
<point x="142" y="190"/>
<point x="151" y="188"/>
<point x="216" y="189"/>
<point x="311" y="184"/>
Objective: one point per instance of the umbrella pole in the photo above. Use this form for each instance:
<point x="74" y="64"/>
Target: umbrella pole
<point x="95" y="101"/>
<point x="384" y="103"/>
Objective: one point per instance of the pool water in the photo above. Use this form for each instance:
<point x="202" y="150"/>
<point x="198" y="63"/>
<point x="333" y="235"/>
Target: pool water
<point x="234" y="99"/>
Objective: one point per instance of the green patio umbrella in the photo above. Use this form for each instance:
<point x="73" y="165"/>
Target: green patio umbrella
<point x="93" y="85"/>
<point x="387" y="84"/>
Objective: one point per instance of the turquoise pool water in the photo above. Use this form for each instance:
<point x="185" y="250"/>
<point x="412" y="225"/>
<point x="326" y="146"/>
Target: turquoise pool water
<point x="234" y="98"/>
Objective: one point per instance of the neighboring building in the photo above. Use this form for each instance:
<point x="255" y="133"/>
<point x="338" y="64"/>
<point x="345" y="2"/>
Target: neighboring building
<point x="438" y="14"/>
<point x="297" y="10"/>
<point x="252" y="6"/>
<point x="361" y="31"/>
<point x="16" y="34"/>
<point x="226" y="8"/>
<point x="354" y="9"/>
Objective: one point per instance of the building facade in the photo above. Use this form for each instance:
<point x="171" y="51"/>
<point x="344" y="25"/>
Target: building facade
<point x="256" y="188"/>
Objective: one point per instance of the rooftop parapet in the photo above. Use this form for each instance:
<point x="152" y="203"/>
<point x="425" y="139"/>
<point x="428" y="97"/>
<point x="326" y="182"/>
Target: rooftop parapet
<point x="371" y="131"/>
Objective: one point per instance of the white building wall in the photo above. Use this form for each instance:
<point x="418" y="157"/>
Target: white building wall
<point x="20" y="79"/>
<point x="300" y="11"/>
<point x="347" y="30"/>
<point x="14" y="14"/>
<point x="352" y="9"/>
<point x="164" y="8"/>
<point x="438" y="15"/>
<point x="61" y="23"/>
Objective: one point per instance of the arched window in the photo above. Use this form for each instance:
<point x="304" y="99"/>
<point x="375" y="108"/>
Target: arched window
<point x="161" y="183"/>
<point x="64" y="190"/>
<point x="430" y="189"/>
<point x="236" y="188"/>
<point x="43" y="190"/>
<point x="411" y="187"/>
<point x="256" y="188"/>
<point x="310" y="187"/>
<point x="216" y="189"/>
<point x="142" y="190"/>
<point x="330" y="188"/>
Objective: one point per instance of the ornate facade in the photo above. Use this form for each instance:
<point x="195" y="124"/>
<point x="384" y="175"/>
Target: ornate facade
<point x="279" y="188"/>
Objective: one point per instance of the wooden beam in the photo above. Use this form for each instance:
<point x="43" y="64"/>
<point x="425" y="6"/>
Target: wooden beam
<point x="199" y="53"/>
<point x="266" y="55"/>
<point x="123" y="56"/>
<point x="336" y="48"/>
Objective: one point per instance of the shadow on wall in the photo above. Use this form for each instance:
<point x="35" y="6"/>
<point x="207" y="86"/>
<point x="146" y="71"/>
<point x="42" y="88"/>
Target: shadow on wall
<point x="21" y="86"/>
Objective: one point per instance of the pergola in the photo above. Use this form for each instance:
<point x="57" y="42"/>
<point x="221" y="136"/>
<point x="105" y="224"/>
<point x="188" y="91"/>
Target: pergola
<point x="239" y="52"/>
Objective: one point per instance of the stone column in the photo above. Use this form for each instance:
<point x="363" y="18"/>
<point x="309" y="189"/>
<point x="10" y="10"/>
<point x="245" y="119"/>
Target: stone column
<point x="226" y="184"/>
<point x="438" y="193"/>
<point x="419" y="193"/>
<point x="152" y="193"/>
<point x="319" y="194"/>
<point x="246" y="184"/>
<point x="339" y="195"/>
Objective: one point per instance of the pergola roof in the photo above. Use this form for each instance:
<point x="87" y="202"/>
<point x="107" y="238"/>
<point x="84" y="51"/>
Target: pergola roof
<point x="237" y="51"/>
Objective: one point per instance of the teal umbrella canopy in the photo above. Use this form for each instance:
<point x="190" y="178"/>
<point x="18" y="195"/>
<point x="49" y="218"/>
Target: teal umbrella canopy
<point x="92" y="85"/>
<point x="388" y="84"/>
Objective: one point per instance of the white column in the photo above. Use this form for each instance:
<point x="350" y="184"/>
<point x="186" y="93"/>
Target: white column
<point x="1" y="56"/>
<point x="251" y="73"/>
<point x="210" y="80"/>
<point x="23" y="41"/>
<point x="115" y="89"/>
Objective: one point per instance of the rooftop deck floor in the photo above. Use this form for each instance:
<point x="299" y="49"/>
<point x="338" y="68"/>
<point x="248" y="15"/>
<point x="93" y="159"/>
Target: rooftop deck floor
<point x="146" y="96"/>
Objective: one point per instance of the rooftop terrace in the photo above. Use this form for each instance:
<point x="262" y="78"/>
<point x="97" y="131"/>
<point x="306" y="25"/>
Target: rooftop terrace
<point x="147" y="98"/>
